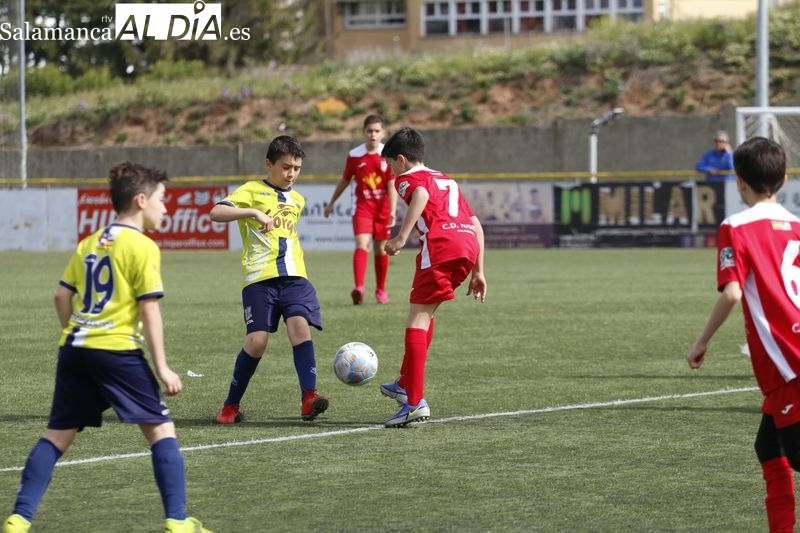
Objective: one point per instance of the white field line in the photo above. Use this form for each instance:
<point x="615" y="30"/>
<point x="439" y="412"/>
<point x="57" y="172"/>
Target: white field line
<point x="349" y="431"/>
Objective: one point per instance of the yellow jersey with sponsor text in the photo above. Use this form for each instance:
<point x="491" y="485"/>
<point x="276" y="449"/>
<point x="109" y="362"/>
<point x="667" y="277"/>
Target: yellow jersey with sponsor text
<point x="110" y="272"/>
<point x="276" y="253"/>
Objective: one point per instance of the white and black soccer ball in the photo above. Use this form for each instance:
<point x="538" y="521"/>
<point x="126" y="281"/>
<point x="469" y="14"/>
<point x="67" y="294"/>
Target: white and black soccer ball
<point x="355" y="363"/>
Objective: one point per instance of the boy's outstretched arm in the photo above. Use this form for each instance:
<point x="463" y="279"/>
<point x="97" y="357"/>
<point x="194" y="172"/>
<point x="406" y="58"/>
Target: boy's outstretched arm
<point x="229" y="213"/>
<point x="727" y="300"/>
<point x="340" y="187"/>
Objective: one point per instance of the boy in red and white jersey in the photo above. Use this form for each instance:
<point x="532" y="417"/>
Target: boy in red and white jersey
<point x="374" y="209"/>
<point x="451" y="241"/>
<point x="759" y="263"/>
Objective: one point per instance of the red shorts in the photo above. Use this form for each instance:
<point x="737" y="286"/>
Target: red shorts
<point x="377" y="227"/>
<point x="439" y="282"/>
<point x="783" y="404"/>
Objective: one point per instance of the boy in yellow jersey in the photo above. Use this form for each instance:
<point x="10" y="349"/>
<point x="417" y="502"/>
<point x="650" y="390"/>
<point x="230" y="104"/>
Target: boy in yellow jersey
<point x="106" y="302"/>
<point x="274" y="283"/>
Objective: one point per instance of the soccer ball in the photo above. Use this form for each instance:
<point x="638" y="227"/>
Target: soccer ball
<point x="355" y="363"/>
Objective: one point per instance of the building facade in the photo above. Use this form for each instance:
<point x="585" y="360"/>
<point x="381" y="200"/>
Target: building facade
<point x="360" y="30"/>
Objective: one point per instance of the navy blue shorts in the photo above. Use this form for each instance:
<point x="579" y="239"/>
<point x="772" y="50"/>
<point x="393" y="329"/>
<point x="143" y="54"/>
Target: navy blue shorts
<point x="90" y="381"/>
<point x="266" y="301"/>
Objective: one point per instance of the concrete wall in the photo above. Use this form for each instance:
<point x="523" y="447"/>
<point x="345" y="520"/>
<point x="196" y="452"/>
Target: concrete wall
<point x="628" y="144"/>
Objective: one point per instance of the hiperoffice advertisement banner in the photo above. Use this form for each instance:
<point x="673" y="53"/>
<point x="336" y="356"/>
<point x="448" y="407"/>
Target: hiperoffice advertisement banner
<point x="187" y="224"/>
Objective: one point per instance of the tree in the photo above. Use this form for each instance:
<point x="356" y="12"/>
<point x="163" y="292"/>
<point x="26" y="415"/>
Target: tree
<point x="280" y="31"/>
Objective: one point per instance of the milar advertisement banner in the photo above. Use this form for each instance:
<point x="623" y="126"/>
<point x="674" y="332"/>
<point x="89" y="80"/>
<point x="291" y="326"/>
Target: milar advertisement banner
<point x="642" y="205"/>
<point x="187" y="224"/>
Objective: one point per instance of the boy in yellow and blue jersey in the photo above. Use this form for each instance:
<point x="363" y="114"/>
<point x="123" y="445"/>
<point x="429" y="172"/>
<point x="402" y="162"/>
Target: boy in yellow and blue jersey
<point x="107" y="304"/>
<point x="274" y="279"/>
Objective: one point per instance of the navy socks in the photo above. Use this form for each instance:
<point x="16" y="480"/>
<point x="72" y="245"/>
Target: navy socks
<point x="170" y="477"/>
<point x="243" y="370"/>
<point x="36" y="477"/>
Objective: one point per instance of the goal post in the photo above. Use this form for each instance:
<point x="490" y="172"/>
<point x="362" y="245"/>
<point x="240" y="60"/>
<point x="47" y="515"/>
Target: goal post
<point x="781" y="124"/>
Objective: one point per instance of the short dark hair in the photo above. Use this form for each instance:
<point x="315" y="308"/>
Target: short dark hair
<point x="373" y="119"/>
<point x="282" y="145"/>
<point x="761" y="163"/>
<point x="128" y="179"/>
<point x="406" y="141"/>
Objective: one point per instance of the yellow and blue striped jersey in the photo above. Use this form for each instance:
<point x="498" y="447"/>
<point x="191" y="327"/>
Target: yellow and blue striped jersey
<point x="276" y="253"/>
<point x="110" y="271"/>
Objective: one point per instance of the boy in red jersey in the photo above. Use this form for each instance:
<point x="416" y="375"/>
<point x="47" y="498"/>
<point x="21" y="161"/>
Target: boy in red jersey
<point x="759" y="264"/>
<point x="375" y="207"/>
<point x="451" y="241"/>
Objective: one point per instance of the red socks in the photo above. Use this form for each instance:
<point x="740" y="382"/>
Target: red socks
<point x="381" y="269"/>
<point x="360" y="259"/>
<point x="360" y="267"/>
<point x="412" y="372"/>
<point x="780" y="495"/>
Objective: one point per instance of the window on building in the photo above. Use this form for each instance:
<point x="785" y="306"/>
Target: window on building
<point x="500" y="16"/>
<point x="531" y="16"/>
<point x="630" y="9"/>
<point x="437" y="18"/>
<point x="373" y="13"/>
<point x="462" y="17"/>
<point x="565" y="15"/>
<point x="595" y="10"/>
<point x="468" y="16"/>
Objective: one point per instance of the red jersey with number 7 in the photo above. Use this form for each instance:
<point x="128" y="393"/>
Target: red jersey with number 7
<point x="760" y="248"/>
<point x="445" y="226"/>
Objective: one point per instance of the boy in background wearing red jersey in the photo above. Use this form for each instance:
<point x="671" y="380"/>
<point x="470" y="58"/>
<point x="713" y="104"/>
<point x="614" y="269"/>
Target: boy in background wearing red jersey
<point x="374" y="212"/>
<point x="451" y="241"/>
<point x="759" y="263"/>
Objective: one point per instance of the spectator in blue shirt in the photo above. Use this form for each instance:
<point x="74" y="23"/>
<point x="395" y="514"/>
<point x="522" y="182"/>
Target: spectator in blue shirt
<point x="717" y="163"/>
